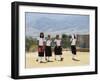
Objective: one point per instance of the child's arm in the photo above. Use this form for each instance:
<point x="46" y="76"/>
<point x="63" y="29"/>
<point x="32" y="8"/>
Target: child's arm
<point x="38" y="42"/>
<point x="61" y="43"/>
<point x="44" y="44"/>
<point x="55" y="43"/>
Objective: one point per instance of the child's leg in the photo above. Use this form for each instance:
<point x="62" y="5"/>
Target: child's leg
<point x="38" y="57"/>
<point x="60" y="51"/>
<point x="56" y="57"/>
<point x="47" y="58"/>
<point x="41" y="59"/>
<point x="74" y="52"/>
<point x="74" y="56"/>
<point x="61" y="58"/>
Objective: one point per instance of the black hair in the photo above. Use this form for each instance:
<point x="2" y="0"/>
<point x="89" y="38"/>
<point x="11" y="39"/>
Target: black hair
<point x="48" y="35"/>
<point x="57" y="36"/>
<point x="41" y="35"/>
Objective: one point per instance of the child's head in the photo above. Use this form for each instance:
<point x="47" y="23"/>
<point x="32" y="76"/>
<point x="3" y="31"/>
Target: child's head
<point x="41" y="35"/>
<point x="57" y="36"/>
<point x="48" y="36"/>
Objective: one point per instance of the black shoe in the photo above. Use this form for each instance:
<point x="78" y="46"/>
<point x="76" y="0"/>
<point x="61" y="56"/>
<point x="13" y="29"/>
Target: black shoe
<point x="46" y="59"/>
<point x="36" y="60"/>
<point x="75" y="59"/>
<point x="62" y="59"/>
<point x="41" y="61"/>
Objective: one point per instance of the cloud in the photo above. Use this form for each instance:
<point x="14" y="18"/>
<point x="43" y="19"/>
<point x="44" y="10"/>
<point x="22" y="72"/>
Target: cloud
<point x="56" y="24"/>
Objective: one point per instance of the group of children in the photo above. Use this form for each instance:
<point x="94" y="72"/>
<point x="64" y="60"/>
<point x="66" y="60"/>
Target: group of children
<point x="45" y="51"/>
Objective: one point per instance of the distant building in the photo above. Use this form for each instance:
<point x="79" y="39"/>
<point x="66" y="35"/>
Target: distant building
<point x="83" y="41"/>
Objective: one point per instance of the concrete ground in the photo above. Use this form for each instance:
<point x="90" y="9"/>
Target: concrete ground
<point x="67" y="61"/>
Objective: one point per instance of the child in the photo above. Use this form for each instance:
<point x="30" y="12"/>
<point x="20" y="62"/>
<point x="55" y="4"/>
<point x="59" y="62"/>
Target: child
<point x="41" y="44"/>
<point x="73" y="47"/>
<point x="48" y="51"/>
<point x="58" y="49"/>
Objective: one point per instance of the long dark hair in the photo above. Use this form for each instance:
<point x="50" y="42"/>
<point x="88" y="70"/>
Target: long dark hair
<point x="41" y="35"/>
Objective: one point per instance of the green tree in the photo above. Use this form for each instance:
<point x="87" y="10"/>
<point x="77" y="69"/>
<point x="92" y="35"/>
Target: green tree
<point x="30" y="44"/>
<point x="65" y="41"/>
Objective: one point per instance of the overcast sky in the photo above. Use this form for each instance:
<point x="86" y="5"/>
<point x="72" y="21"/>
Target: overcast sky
<point x="56" y="24"/>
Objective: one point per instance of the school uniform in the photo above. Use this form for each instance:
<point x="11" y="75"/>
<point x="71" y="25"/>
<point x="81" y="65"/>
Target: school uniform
<point x="48" y="51"/>
<point x="58" y="48"/>
<point x="73" y="46"/>
<point x="41" y="47"/>
<point x="73" y="49"/>
<point x="40" y="50"/>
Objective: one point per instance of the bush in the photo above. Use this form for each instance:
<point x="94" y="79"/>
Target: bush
<point x="30" y="44"/>
<point x="33" y="48"/>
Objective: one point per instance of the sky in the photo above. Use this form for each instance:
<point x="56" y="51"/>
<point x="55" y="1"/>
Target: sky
<point x="55" y="24"/>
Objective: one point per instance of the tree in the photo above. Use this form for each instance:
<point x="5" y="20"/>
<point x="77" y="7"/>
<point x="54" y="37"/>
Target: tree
<point x="65" y="41"/>
<point x="30" y="43"/>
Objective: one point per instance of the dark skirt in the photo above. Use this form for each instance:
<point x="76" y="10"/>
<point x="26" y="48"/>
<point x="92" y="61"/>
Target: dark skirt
<point x="40" y="51"/>
<point x="58" y="50"/>
<point x="73" y="49"/>
<point x="48" y="51"/>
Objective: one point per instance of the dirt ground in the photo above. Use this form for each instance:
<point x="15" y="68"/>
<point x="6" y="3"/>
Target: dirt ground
<point x="67" y="61"/>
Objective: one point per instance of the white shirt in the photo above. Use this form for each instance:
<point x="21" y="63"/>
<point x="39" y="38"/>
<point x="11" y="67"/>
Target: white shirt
<point x="41" y="41"/>
<point x="48" y="43"/>
<point x="73" y="36"/>
<point x="58" y="42"/>
<point x="73" y="41"/>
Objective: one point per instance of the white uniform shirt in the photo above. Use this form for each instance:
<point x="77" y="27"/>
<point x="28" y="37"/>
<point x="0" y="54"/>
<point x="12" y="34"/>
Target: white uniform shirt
<point x="48" y="43"/>
<point x="73" y="36"/>
<point x="41" y="41"/>
<point x="58" y="42"/>
<point x="73" y="41"/>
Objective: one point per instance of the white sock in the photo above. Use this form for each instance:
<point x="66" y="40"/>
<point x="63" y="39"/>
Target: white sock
<point x="74" y="56"/>
<point x="60" y="56"/>
<point x="56" y="57"/>
<point x="48" y="58"/>
<point x="39" y="59"/>
<point x="43" y="59"/>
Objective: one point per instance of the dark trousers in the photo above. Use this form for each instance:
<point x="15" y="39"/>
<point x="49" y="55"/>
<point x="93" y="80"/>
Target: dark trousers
<point x="73" y="49"/>
<point x="58" y="50"/>
<point x="48" y="51"/>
